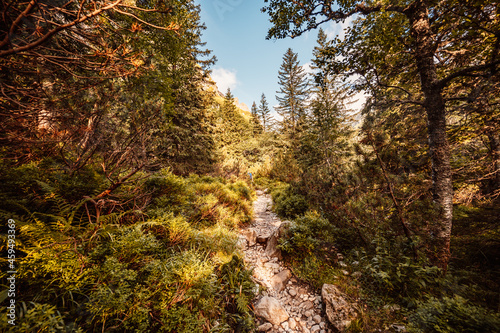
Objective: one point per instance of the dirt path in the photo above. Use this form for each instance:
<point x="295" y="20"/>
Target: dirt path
<point x="283" y="304"/>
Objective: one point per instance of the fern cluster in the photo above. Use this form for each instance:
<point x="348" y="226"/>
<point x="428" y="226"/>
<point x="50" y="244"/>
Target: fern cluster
<point x="173" y="266"/>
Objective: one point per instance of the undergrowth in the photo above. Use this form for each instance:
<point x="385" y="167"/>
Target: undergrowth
<point x="87" y="266"/>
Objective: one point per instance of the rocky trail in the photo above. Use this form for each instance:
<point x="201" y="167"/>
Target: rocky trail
<point x="284" y="304"/>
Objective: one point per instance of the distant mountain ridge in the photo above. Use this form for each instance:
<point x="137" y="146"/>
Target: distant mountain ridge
<point x="211" y="85"/>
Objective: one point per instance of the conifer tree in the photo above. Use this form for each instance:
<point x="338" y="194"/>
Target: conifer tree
<point x="292" y="94"/>
<point x="265" y="113"/>
<point x="256" y="125"/>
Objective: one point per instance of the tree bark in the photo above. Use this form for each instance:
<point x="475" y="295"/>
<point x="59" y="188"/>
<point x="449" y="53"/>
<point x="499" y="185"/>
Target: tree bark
<point x="495" y="156"/>
<point x="439" y="149"/>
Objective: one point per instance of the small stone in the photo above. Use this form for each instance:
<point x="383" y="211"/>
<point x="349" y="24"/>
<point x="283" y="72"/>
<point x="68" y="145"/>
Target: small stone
<point x="265" y="327"/>
<point x="322" y="331"/>
<point x="357" y="274"/>
<point x="322" y="324"/>
<point x="292" y="292"/>
<point x="292" y="323"/>
<point x="272" y="265"/>
<point x="317" y="319"/>
<point x="308" y="305"/>
<point x="284" y="325"/>
<point x="342" y="264"/>
<point x="308" y="313"/>
<point x="315" y="329"/>
<point x="345" y="272"/>
<point x="398" y="327"/>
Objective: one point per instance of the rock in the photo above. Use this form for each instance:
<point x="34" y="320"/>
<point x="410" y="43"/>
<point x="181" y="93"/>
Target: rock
<point x="356" y="274"/>
<point x="315" y="329"/>
<point x="292" y="292"/>
<point x="308" y="305"/>
<point x="338" y="311"/>
<point x="345" y="272"/>
<point x="242" y="243"/>
<point x="251" y="236"/>
<point x="398" y="327"/>
<point x="317" y="319"/>
<point x="271" y="247"/>
<point x="271" y="310"/>
<point x="272" y="265"/>
<point x="265" y="327"/>
<point x="308" y="313"/>
<point x="262" y="238"/>
<point x="284" y="325"/>
<point x="279" y="280"/>
<point x="292" y="323"/>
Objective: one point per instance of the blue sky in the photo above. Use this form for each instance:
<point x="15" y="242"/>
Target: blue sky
<point x="247" y="62"/>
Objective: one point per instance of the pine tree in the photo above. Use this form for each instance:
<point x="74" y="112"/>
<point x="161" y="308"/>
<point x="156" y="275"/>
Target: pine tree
<point x="256" y="125"/>
<point x="294" y="92"/>
<point x="265" y="113"/>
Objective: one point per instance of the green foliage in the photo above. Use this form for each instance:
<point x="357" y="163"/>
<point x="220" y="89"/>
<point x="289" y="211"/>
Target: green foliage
<point x="306" y="234"/>
<point x="178" y="270"/>
<point x="287" y="203"/>
<point x="453" y="314"/>
<point x="36" y="317"/>
<point x="397" y="278"/>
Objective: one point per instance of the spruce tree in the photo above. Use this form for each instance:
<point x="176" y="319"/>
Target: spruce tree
<point x="292" y="94"/>
<point x="265" y="113"/>
<point x="256" y="125"/>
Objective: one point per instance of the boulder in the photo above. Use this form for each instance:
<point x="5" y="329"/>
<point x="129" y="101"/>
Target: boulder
<point x="271" y="310"/>
<point x="251" y="236"/>
<point x="272" y="241"/>
<point x="262" y="238"/>
<point x="242" y="243"/>
<point x="338" y="311"/>
<point x="278" y="282"/>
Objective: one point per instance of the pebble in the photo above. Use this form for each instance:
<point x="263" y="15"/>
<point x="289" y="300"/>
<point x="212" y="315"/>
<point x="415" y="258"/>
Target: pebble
<point x="265" y="327"/>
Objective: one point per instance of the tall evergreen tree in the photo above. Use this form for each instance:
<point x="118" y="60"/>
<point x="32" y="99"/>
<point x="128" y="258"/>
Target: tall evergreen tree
<point x="292" y="94"/>
<point x="265" y="113"/>
<point x="256" y="125"/>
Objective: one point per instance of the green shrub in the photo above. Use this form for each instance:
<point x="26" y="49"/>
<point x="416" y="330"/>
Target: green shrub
<point x="288" y="204"/>
<point x="306" y="234"/>
<point x="36" y="317"/>
<point x="176" y="270"/>
<point x="398" y="277"/>
<point x="453" y="314"/>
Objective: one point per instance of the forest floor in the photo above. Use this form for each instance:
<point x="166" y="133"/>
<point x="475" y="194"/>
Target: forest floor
<point x="301" y="306"/>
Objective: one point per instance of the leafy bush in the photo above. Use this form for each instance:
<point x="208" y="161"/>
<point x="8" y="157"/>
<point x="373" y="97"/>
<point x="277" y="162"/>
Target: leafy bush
<point x="288" y="204"/>
<point x="306" y="234"/>
<point x="397" y="277"/>
<point x="178" y="270"/>
<point x="453" y="314"/>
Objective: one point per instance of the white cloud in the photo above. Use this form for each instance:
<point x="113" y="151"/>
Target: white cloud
<point x="338" y="29"/>
<point x="224" y="78"/>
<point x="357" y="101"/>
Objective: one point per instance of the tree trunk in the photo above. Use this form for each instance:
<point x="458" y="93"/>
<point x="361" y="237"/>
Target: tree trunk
<point x="436" y="123"/>
<point x="495" y="156"/>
